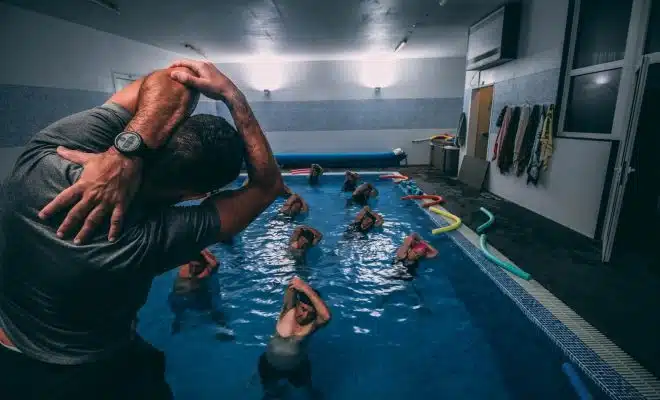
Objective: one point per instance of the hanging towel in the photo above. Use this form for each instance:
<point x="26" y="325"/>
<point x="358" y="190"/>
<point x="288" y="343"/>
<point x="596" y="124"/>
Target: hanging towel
<point x="546" y="138"/>
<point x="500" y="118"/>
<point x="542" y="149"/>
<point x="524" y="151"/>
<point x="503" y="125"/>
<point x="461" y="130"/>
<point x="505" y="157"/>
<point x="525" y="117"/>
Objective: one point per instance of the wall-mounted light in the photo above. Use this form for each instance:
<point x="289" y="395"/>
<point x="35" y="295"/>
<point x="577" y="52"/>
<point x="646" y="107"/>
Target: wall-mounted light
<point x="378" y="71"/>
<point x="267" y="93"/>
<point x="377" y="90"/>
<point x="265" y="73"/>
<point x="401" y="44"/>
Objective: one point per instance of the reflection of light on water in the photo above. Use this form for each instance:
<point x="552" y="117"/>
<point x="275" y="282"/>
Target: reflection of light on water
<point x="359" y="330"/>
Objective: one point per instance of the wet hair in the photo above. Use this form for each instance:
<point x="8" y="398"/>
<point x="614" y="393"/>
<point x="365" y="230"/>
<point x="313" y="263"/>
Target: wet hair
<point x="204" y="153"/>
<point x="303" y="298"/>
<point x="307" y="234"/>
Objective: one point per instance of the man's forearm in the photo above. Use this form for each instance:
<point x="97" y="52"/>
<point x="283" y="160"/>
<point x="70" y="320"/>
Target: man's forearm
<point x="162" y="104"/>
<point x="261" y="166"/>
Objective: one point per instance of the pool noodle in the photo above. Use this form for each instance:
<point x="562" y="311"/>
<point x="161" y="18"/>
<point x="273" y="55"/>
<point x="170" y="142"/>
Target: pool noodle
<point x="436" y="199"/>
<point x="394" y="177"/>
<point x="485" y="225"/>
<point x="457" y="221"/>
<point x="484" y="248"/>
<point x="577" y="383"/>
<point x="507" y="266"/>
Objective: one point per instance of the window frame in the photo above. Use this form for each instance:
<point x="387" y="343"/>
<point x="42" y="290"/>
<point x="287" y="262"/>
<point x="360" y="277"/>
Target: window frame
<point x="628" y="65"/>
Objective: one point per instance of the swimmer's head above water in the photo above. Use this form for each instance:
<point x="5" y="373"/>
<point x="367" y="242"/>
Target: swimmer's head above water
<point x="305" y="312"/>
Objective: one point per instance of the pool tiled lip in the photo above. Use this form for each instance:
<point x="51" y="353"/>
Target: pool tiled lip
<point x="614" y="371"/>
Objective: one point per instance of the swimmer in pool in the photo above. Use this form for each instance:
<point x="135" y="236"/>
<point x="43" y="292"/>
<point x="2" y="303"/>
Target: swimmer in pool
<point x="294" y="205"/>
<point x="409" y="254"/>
<point x="366" y="220"/>
<point x="286" y="357"/>
<point x="363" y="192"/>
<point x="194" y="290"/>
<point x="315" y="173"/>
<point x="304" y="238"/>
<point x="350" y="181"/>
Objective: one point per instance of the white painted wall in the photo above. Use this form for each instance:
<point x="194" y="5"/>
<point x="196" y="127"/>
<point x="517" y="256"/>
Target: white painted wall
<point x="570" y="191"/>
<point x="49" y="52"/>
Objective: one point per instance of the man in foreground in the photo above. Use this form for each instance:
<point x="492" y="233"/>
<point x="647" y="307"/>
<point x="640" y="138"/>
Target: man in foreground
<point x="67" y="310"/>
<point x="302" y="314"/>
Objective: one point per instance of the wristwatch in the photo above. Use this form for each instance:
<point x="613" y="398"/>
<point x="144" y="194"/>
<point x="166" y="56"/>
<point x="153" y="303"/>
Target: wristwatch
<point x="131" y="144"/>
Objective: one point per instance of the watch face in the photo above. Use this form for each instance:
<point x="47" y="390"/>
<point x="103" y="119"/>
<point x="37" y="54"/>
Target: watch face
<point x="128" y="142"/>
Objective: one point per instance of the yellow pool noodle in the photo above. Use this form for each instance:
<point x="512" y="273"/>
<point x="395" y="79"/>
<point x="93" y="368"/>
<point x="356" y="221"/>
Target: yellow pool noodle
<point x="454" y="225"/>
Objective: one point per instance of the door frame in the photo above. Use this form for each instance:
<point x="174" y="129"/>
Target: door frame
<point x="622" y="168"/>
<point x="473" y="121"/>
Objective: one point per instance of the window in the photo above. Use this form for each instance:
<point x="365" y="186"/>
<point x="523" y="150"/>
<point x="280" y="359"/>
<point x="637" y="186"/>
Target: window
<point x="120" y="80"/>
<point x="653" y="30"/>
<point x="592" y="101"/>
<point x="599" y="65"/>
<point x="602" y="32"/>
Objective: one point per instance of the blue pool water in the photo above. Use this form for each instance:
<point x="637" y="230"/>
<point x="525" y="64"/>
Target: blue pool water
<point x="463" y="339"/>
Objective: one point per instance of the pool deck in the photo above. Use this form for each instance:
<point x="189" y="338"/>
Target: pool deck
<point x="616" y="372"/>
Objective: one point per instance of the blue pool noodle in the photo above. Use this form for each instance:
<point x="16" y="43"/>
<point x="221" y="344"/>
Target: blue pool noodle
<point x="484" y="249"/>
<point x="577" y="383"/>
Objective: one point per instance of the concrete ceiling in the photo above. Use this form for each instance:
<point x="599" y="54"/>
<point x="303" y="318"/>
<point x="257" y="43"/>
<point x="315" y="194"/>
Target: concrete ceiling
<point x="231" y="30"/>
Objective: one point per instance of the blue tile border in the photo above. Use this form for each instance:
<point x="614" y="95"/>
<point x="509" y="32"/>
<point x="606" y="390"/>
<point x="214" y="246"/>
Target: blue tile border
<point x="603" y="375"/>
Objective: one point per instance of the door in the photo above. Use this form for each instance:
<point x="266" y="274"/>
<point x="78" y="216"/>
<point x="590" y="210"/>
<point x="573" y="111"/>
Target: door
<point x="480" y="109"/>
<point x="623" y="169"/>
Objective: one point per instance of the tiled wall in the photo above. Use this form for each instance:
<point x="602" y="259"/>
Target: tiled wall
<point x="344" y="115"/>
<point x="24" y="110"/>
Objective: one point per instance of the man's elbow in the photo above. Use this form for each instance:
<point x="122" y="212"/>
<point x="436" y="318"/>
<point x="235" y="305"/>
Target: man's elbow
<point x="325" y="317"/>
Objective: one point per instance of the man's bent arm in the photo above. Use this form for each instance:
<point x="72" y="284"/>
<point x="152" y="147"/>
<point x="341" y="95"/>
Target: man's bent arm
<point x="237" y="209"/>
<point x="159" y="104"/>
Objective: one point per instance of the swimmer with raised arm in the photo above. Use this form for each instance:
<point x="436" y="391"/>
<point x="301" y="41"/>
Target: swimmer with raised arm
<point x="363" y="193"/>
<point x="366" y="220"/>
<point x="412" y="251"/>
<point x="315" y="173"/>
<point x="196" y="289"/>
<point x="303" y="239"/>
<point x="294" y="205"/>
<point x="302" y="314"/>
<point x="351" y="180"/>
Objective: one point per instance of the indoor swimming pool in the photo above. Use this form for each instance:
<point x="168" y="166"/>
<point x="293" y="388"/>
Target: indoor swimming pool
<point x="451" y="333"/>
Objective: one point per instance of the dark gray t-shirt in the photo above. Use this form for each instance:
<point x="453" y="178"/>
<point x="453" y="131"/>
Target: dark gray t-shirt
<point x="68" y="304"/>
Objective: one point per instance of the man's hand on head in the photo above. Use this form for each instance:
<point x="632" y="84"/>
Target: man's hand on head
<point x="106" y="186"/>
<point x="209" y="80"/>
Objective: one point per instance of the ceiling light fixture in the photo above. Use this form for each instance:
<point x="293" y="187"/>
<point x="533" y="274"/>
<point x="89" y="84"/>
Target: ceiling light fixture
<point x="107" y="4"/>
<point x="442" y="2"/>
<point x="401" y="44"/>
